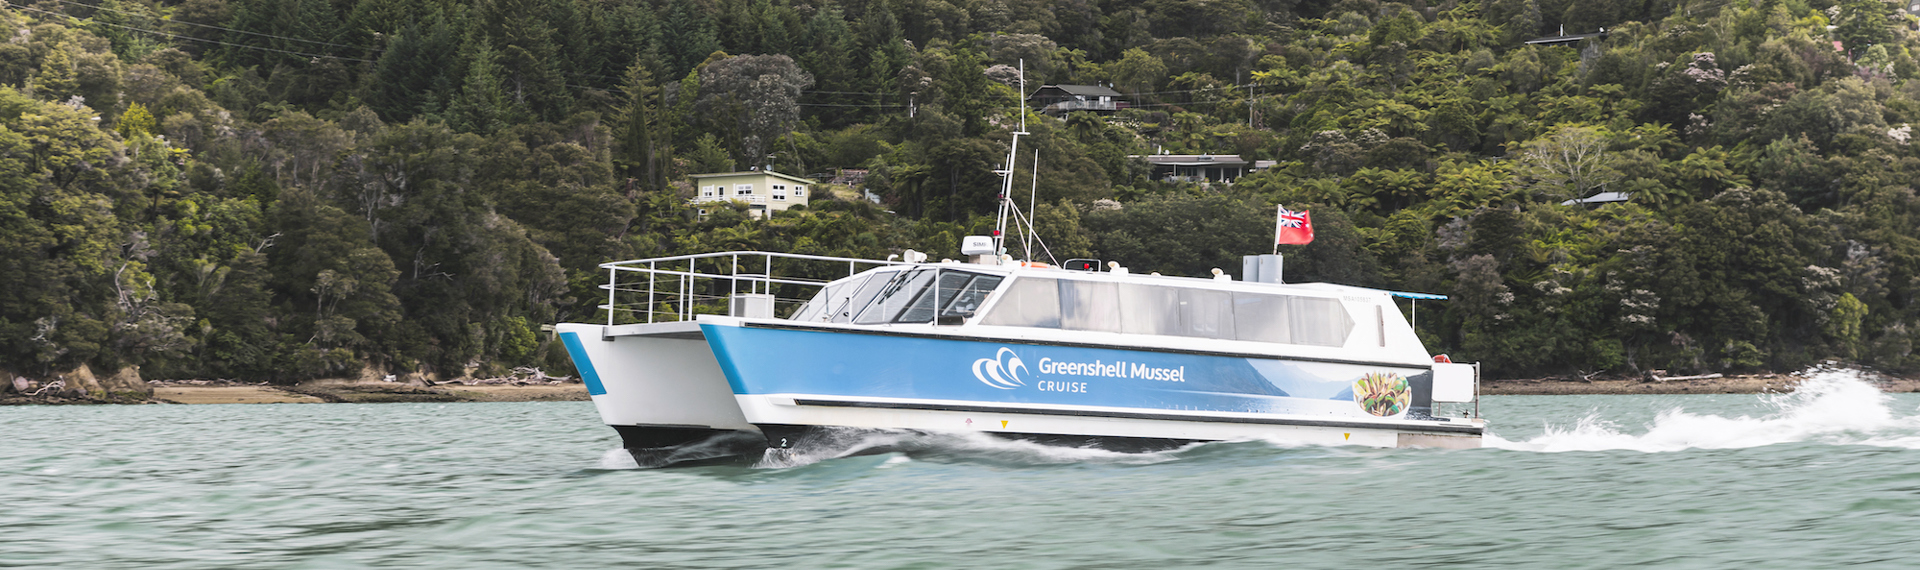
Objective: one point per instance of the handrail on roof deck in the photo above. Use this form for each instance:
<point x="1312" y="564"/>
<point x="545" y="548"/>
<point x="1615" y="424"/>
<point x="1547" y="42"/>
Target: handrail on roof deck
<point x="679" y="289"/>
<point x="765" y="254"/>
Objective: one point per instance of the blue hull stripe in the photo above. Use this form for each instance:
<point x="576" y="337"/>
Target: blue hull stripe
<point x="999" y="373"/>
<point x="582" y="363"/>
<point x="1441" y="428"/>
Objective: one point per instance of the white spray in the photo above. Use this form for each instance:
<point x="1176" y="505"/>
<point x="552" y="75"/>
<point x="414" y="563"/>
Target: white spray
<point x="1836" y="406"/>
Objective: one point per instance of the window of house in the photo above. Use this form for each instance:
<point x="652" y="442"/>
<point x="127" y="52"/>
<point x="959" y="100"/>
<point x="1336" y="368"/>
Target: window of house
<point x="779" y="191"/>
<point x="799" y="191"/>
<point x="706" y="191"/>
<point x="743" y="189"/>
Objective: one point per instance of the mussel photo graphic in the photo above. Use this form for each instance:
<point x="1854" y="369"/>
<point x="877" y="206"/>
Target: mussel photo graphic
<point x="1382" y="394"/>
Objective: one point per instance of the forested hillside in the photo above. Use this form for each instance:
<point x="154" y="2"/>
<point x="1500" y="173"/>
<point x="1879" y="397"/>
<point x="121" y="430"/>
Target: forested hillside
<point x="292" y="189"/>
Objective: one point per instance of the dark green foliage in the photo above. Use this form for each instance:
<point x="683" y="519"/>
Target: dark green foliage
<point x="414" y="74"/>
<point x="1182" y="234"/>
<point x="418" y="186"/>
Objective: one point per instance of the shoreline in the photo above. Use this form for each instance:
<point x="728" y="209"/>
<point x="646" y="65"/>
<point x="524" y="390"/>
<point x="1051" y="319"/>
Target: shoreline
<point x="1616" y="385"/>
<point x="197" y="392"/>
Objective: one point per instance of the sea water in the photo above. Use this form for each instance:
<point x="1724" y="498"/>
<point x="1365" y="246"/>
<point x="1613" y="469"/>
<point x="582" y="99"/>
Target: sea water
<point x="1824" y="477"/>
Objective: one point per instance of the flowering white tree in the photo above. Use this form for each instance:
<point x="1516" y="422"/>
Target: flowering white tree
<point x="1570" y="162"/>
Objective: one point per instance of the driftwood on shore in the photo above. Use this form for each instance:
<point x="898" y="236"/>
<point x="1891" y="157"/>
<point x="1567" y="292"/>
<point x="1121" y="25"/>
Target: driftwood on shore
<point x="519" y="376"/>
<point x="1680" y="378"/>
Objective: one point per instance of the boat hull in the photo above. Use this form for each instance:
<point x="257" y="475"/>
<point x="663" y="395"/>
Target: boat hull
<point x="784" y="375"/>
<point x="681" y="392"/>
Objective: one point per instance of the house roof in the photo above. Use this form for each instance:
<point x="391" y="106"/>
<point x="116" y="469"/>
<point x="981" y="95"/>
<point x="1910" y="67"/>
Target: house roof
<point x="1601" y="198"/>
<point x="1082" y="90"/>
<point x="1566" y="38"/>
<point x="752" y="173"/>
<point x="1193" y="159"/>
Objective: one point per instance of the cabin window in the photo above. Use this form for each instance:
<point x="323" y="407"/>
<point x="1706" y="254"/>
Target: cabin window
<point x="743" y="189"/>
<point x="1206" y="313"/>
<point x="1171" y="311"/>
<point x="831" y="297"/>
<point x="967" y="300"/>
<point x="706" y="191"/>
<point x="844" y="312"/>
<point x="1029" y="302"/>
<point x="1149" y="309"/>
<point x="1263" y="318"/>
<point x="799" y="191"/>
<point x="893" y="299"/>
<point x="1089" y="306"/>
<point x="1320" y="321"/>
<point x="957" y="293"/>
<point x="1290" y="320"/>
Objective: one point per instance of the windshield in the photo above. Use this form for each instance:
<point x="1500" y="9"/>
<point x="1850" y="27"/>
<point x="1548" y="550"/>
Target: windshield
<point x="907" y="296"/>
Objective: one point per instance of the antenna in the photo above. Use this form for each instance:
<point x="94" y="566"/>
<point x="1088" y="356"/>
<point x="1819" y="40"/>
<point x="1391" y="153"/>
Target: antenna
<point x="1033" y="197"/>
<point x="1023" y="95"/>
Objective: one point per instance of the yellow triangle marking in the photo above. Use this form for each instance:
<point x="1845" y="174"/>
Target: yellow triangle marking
<point x="1003" y="424"/>
<point x="1348" y="436"/>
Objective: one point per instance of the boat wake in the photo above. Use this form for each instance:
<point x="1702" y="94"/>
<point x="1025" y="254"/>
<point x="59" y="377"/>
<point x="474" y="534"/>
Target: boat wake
<point x="948" y="447"/>
<point x="1831" y="405"/>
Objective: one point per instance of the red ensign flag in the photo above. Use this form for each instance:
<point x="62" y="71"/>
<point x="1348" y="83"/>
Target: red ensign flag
<point x="1293" y="228"/>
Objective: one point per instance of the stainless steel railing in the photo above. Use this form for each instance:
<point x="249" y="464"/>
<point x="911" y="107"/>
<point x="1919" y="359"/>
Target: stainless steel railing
<point x="679" y="288"/>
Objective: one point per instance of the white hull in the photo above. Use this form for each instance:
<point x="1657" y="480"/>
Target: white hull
<point x="666" y="378"/>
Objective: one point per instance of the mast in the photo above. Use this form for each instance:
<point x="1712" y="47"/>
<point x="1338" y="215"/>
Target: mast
<point x="1006" y="176"/>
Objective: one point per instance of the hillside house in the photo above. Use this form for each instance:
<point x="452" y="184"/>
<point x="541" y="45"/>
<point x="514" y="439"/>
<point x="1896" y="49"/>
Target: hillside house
<point x="764" y="191"/>
<point x="1058" y="100"/>
<point x="1201" y="168"/>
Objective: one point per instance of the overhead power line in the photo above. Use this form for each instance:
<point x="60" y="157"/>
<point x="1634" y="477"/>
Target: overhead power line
<point x="872" y="106"/>
<point x="71" y="2"/>
<point x="191" y="38"/>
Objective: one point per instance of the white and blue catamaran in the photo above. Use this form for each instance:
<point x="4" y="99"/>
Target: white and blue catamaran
<point x="1075" y="357"/>
<point x="1072" y="355"/>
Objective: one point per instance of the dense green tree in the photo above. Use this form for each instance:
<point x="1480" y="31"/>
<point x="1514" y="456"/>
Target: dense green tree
<point x="753" y="97"/>
<point x="527" y="57"/>
<point x="689" y="34"/>
<point x="639" y="129"/>
<point x="413" y="75"/>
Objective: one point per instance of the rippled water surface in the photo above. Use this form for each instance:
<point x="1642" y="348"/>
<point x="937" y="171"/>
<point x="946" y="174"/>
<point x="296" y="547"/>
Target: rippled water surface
<point x="1826" y="477"/>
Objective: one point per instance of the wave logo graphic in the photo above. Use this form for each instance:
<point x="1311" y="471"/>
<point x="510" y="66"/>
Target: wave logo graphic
<point x="1002" y="371"/>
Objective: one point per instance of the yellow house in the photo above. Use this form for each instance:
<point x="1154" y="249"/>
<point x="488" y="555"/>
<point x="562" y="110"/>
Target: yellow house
<point x="764" y="192"/>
